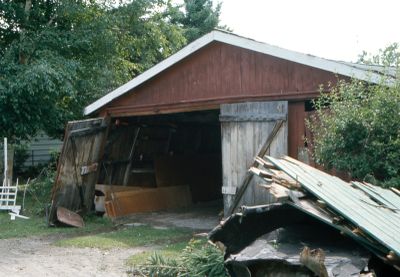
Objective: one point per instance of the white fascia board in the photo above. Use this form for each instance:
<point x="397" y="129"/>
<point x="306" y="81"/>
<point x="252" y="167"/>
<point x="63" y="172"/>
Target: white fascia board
<point x="150" y="73"/>
<point x="309" y="60"/>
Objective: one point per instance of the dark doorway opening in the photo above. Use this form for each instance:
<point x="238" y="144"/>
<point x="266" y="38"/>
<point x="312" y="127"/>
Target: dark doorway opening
<point x="162" y="151"/>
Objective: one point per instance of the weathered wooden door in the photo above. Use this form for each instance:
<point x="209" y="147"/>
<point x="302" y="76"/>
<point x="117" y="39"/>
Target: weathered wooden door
<point x="78" y="166"/>
<point x="244" y="129"/>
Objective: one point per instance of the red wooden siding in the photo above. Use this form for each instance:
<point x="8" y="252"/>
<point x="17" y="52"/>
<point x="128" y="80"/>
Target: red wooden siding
<point x="296" y="127"/>
<point x="220" y="73"/>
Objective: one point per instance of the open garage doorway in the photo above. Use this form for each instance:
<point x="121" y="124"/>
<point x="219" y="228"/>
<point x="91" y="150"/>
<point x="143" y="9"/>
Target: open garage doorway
<point x="162" y="161"/>
<point x="136" y="164"/>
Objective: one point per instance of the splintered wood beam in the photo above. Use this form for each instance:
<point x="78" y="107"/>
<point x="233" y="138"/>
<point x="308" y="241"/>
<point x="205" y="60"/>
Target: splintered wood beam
<point x="264" y="163"/>
<point x="395" y="191"/>
<point x="260" y="172"/>
<point x="279" y="192"/>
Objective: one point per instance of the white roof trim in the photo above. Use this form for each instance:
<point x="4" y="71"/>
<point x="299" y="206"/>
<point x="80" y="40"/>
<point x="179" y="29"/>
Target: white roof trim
<point x="345" y="69"/>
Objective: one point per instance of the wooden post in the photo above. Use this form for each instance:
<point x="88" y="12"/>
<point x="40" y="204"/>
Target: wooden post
<point x="8" y="162"/>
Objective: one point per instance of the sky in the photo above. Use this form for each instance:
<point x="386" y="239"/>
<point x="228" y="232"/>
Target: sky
<point x="339" y="29"/>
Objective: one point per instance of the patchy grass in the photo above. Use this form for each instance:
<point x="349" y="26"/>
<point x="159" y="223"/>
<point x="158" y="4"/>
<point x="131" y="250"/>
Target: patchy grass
<point x="129" y="237"/>
<point x="36" y="226"/>
<point x="168" y="251"/>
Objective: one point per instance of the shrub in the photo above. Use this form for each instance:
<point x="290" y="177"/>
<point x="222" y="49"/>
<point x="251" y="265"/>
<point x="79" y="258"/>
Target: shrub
<point x="198" y="259"/>
<point x="356" y="129"/>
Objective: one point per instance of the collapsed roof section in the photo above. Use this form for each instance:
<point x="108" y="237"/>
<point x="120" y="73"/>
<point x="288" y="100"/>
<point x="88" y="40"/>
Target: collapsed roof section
<point x="269" y="240"/>
<point x="367" y="214"/>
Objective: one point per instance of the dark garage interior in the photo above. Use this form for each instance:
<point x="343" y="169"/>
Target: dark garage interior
<point x="182" y="149"/>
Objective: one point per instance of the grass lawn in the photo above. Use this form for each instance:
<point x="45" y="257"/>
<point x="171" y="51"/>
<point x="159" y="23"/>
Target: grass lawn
<point x="36" y="226"/>
<point x="167" y="251"/>
<point x="98" y="233"/>
<point x="129" y="237"/>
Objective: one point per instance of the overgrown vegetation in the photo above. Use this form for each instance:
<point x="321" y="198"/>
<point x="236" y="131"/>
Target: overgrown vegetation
<point x="197" y="259"/>
<point x="357" y="128"/>
<point x="34" y="197"/>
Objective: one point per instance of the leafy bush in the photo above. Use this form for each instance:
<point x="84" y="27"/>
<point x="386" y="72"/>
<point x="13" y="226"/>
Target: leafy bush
<point x="356" y="129"/>
<point x="21" y="154"/>
<point x="198" y="259"/>
<point x="38" y="192"/>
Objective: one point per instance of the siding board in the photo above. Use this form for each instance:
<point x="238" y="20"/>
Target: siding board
<point x="241" y="141"/>
<point x="217" y="74"/>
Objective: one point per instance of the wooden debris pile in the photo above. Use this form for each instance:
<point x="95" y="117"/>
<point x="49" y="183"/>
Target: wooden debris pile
<point x="368" y="214"/>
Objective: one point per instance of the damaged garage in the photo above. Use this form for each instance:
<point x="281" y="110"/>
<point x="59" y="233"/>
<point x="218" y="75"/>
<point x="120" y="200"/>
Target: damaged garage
<point x="186" y="130"/>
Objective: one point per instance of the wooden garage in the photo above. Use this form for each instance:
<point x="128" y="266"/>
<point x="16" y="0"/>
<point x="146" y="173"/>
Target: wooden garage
<point x="187" y="129"/>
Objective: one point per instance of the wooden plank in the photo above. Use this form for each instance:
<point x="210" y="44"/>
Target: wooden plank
<point x="226" y="158"/>
<point x="279" y="192"/>
<point x="229" y="190"/>
<point x="395" y="191"/>
<point x="113" y="188"/>
<point x="131" y="153"/>
<point x="248" y="176"/>
<point x="148" y="200"/>
<point x="264" y="163"/>
<point x="252" y="117"/>
<point x="260" y="172"/>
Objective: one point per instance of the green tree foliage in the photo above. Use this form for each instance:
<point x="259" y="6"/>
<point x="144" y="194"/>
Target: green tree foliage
<point x="388" y="57"/>
<point x="147" y="32"/>
<point x="42" y="63"/>
<point x="199" y="18"/>
<point x="58" y="56"/>
<point x="357" y="126"/>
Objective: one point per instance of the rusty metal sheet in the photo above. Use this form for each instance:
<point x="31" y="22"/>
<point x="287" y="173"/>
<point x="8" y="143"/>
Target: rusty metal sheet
<point x="69" y="218"/>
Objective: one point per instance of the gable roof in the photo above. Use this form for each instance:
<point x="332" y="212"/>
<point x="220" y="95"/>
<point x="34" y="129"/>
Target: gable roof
<point x="362" y="72"/>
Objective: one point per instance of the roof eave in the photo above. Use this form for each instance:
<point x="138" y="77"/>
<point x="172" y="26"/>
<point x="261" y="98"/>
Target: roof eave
<point x="242" y="42"/>
<point x="150" y="73"/>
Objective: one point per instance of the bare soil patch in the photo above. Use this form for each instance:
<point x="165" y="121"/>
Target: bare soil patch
<point x="38" y="256"/>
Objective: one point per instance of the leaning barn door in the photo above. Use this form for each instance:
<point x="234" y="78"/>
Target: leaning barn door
<point x="78" y="166"/>
<point x="245" y="127"/>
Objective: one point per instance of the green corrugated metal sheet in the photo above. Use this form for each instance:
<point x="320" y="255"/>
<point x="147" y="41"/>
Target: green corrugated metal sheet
<point x="378" y="219"/>
<point x="385" y="196"/>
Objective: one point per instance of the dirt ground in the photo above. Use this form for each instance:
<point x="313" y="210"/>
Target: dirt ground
<point x="37" y="256"/>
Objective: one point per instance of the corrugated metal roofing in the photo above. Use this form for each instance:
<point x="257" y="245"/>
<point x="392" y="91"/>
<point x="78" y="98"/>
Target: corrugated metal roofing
<point x="372" y="209"/>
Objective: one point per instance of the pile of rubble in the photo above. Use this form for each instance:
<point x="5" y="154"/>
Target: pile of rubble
<point x="320" y="225"/>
